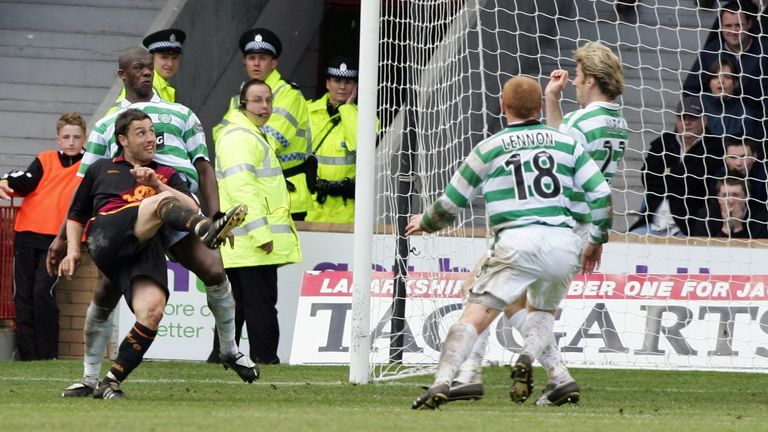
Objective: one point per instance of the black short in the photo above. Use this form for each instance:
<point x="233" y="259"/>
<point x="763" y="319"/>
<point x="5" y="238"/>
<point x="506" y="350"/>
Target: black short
<point x="119" y="255"/>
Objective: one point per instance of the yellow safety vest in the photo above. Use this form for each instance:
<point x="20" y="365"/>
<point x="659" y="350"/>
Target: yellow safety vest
<point x="334" y="145"/>
<point x="288" y="129"/>
<point x="248" y="172"/>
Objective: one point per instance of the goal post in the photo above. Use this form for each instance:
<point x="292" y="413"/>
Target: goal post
<point x="432" y="72"/>
<point x="364" y="193"/>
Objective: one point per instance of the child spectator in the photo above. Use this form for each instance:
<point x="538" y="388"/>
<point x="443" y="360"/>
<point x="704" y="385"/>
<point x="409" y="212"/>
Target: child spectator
<point x="728" y="215"/>
<point x="47" y="185"/>
<point x="727" y="115"/>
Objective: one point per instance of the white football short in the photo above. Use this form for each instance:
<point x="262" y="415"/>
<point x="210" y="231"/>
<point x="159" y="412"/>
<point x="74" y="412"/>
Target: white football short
<point x="538" y="259"/>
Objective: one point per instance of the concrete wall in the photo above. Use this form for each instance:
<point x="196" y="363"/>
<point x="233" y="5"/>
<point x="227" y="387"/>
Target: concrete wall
<point x="58" y="56"/>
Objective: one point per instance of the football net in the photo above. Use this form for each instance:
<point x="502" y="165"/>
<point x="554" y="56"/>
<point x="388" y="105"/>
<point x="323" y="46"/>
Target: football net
<point x="659" y="302"/>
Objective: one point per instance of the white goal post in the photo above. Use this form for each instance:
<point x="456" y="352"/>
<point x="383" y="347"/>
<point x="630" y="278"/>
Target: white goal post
<point x="432" y="72"/>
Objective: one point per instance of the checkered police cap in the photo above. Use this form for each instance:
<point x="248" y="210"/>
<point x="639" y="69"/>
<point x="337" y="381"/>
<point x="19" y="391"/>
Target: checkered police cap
<point x="342" y="67"/>
<point x="169" y="40"/>
<point x="260" y="40"/>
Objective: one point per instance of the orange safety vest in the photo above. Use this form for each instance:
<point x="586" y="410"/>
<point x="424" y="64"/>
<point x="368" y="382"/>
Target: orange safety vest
<point x="43" y="210"/>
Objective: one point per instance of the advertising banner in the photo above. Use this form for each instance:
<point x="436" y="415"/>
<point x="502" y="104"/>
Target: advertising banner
<point x="678" y="320"/>
<point x="652" y="304"/>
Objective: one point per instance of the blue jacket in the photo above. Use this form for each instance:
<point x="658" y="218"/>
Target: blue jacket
<point x="752" y="62"/>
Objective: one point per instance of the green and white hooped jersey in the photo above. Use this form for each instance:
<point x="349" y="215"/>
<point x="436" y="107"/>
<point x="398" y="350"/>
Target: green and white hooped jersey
<point x="528" y="174"/>
<point x="602" y="130"/>
<point x="180" y="138"/>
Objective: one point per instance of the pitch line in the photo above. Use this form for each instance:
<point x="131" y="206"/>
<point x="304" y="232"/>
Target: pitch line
<point x="340" y="383"/>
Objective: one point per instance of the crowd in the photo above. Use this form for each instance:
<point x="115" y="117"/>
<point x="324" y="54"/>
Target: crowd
<point x="142" y="186"/>
<point x="717" y="145"/>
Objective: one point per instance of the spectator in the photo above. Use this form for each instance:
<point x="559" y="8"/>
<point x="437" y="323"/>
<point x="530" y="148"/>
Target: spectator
<point x="728" y="214"/>
<point x="742" y="161"/>
<point x="250" y="173"/>
<point x="743" y="48"/>
<point x="288" y="127"/>
<point x="333" y="119"/>
<point x="47" y="185"/>
<point x="675" y="173"/>
<point x="727" y="115"/>
<point x="165" y="47"/>
<point x="755" y="8"/>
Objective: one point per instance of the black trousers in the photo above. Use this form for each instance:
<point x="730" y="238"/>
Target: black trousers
<point x="255" y="292"/>
<point x="37" y="314"/>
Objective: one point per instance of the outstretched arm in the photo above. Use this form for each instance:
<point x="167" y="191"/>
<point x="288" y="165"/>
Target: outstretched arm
<point x="414" y="226"/>
<point x="558" y="81"/>
<point x="5" y="190"/>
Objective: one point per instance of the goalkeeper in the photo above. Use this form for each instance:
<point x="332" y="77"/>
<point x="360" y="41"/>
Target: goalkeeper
<point x="542" y="173"/>
<point x="601" y="129"/>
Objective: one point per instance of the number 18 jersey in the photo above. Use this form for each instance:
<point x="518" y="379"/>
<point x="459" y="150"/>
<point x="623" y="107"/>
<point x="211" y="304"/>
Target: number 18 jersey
<point x="528" y="174"/>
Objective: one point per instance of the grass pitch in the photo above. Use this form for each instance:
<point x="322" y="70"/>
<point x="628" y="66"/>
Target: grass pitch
<point x="190" y="396"/>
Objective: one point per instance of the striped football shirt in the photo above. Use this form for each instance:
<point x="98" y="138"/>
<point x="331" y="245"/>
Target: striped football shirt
<point x="602" y="130"/>
<point x="528" y="173"/>
<point x="180" y="138"/>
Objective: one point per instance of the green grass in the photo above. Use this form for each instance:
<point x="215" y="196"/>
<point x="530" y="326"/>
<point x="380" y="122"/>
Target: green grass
<point x="189" y="396"/>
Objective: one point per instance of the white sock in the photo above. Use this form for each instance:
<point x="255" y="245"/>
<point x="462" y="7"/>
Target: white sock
<point x="471" y="371"/>
<point x="537" y="333"/>
<point x="222" y="305"/>
<point x="97" y="332"/>
<point x="459" y="342"/>
<point x="553" y="363"/>
<point x="518" y="320"/>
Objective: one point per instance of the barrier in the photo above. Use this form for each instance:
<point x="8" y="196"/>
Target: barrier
<point x="7" y="218"/>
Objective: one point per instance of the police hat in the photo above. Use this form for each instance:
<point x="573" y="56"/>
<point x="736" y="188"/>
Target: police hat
<point x="342" y="67"/>
<point x="169" y="40"/>
<point x="260" y="40"/>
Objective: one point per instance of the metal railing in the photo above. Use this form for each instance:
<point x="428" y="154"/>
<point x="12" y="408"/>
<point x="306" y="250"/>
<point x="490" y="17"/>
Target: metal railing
<point x="7" y="218"/>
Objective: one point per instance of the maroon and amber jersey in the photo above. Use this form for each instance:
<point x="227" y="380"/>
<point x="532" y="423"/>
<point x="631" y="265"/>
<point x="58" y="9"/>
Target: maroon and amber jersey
<point x="108" y="186"/>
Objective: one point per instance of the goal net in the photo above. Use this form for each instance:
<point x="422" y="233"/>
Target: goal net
<point x="659" y="302"/>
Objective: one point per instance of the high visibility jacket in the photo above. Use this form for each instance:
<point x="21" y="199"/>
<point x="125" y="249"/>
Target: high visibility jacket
<point x="248" y="172"/>
<point x="161" y="86"/>
<point x="44" y="208"/>
<point x="334" y="145"/>
<point x="288" y="129"/>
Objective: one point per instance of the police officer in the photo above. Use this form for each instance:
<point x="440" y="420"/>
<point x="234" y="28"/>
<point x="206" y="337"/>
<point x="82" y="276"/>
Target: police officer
<point x="288" y="127"/>
<point x="333" y="120"/>
<point x="248" y="169"/>
<point x="165" y="47"/>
